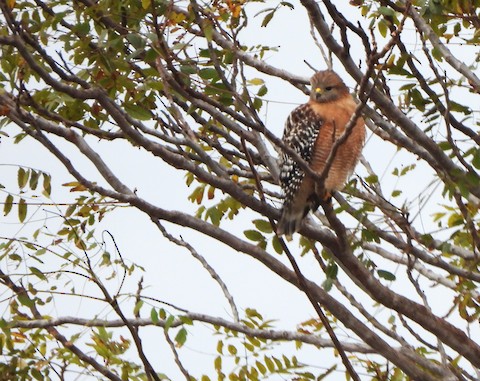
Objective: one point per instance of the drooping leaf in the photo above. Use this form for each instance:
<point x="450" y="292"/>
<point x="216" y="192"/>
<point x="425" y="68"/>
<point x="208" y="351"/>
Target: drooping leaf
<point x="386" y="11"/>
<point x="263" y="226"/>
<point x="137" y="112"/>
<point x="47" y="187"/>
<point x="254" y="235"/>
<point x="22" y="210"/>
<point x="25" y="300"/>
<point x="332" y="270"/>
<point x="22" y="177"/>
<point x="207" y="28"/>
<point x="268" y="17"/>
<point x="7" y="207"/>
<point x="277" y="246"/>
<point x="138" y="306"/>
<point x="256" y="81"/>
<point x="154" y="316"/>
<point x="218" y="363"/>
<point x="168" y="322"/>
<point x="387" y="275"/>
<point x="208" y="73"/>
<point x="37" y="273"/>
<point x="34" y="176"/>
<point x="181" y="337"/>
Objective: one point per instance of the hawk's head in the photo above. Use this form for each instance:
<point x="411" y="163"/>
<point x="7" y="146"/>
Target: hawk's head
<point x="327" y="86"/>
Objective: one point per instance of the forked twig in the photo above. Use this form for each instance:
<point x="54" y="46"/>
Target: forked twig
<point x="302" y="280"/>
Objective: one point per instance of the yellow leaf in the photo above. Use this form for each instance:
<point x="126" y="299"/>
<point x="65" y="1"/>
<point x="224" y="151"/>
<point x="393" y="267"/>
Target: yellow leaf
<point x="256" y="81"/>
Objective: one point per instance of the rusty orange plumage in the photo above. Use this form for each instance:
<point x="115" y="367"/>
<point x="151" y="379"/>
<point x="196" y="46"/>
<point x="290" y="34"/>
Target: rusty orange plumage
<point x="312" y="130"/>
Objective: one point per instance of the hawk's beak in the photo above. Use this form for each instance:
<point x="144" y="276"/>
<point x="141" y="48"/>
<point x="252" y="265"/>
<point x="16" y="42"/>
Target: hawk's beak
<point x="318" y="93"/>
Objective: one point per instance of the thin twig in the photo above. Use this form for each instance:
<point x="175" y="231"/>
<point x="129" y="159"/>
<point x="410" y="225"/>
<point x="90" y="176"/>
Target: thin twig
<point x="303" y="284"/>
<point x="177" y="357"/>
<point x="205" y="264"/>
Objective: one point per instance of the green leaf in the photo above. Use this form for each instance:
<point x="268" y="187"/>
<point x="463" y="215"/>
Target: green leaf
<point x="287" y="4"/>
<point x="185" y="320"/>
<point x="215" y="215"/>
<point x="82" y="29"/>
<point x="154" y="316"/>
<point x="397" y="375"/>
<point x="254" y="235"/>
<point x="25" y="300"/>
<point x="267" y="18"/>
<point x="270" y="364"/>
<point x="386" y="275"/>
<point x="475" y="161"/>
<point x="71" y="208"/>
<point x="34" y="175"/>
<point x="162" y="314"/>
<point x="218" y="363"/>
<point x="457" y="107"/>
<point x="398" y="70"/>
<point x="232" y="349"/>
<point x="372" y="179"/>
<point x="408" y="86"/>
<point x="277" y="246"/>
<point x="208" y="73"/>
<point x="22" y="177"/>
<point x="7" y="207"/>
<point x="262" y="91"/>
<point x="207" y="30"/>
<point x="22" y="210"/>
<point x="168" y="323"/>
<point x="418" y="100"/>
<point x="36" y="374"/>
<point x="327" y="284"/>
<point x="257" y="103"/>
<point x="47" y="186"/>
<point x="138" y="306"/>
<point x="37" y="273"/>
<point x="263" y="226"/>
<point x="261" y="367"/>
<point x="220" y="347"/>
<point x="437" y="54"/>
<point x="369" y="236"/>
<point x="396" y="193"/>
<point x="386" y="11"/>
<point x="137" y="112"/>
<point x="455" y="220"/>
<point x="326" y="373"/>
<point x="383" y="28"/>
<point x="181" y="337"/>
<point x="331" y="271"/>
<point x="188" y="69"/>
<point x="136" y="40"/>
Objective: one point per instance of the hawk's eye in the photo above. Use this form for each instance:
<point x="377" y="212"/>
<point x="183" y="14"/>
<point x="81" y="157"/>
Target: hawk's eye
<point x="328" y="88"/>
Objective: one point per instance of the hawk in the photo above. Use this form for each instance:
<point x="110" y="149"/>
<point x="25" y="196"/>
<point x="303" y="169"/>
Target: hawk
<point x="312" y="130"/>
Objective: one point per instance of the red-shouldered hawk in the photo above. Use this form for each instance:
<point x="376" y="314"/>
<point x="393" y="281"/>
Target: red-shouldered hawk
<point x="311" y="130"/>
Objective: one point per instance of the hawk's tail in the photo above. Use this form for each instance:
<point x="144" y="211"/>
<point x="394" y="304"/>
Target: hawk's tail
<point x="293" y="215"/>
<point x="290" y="221"/>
